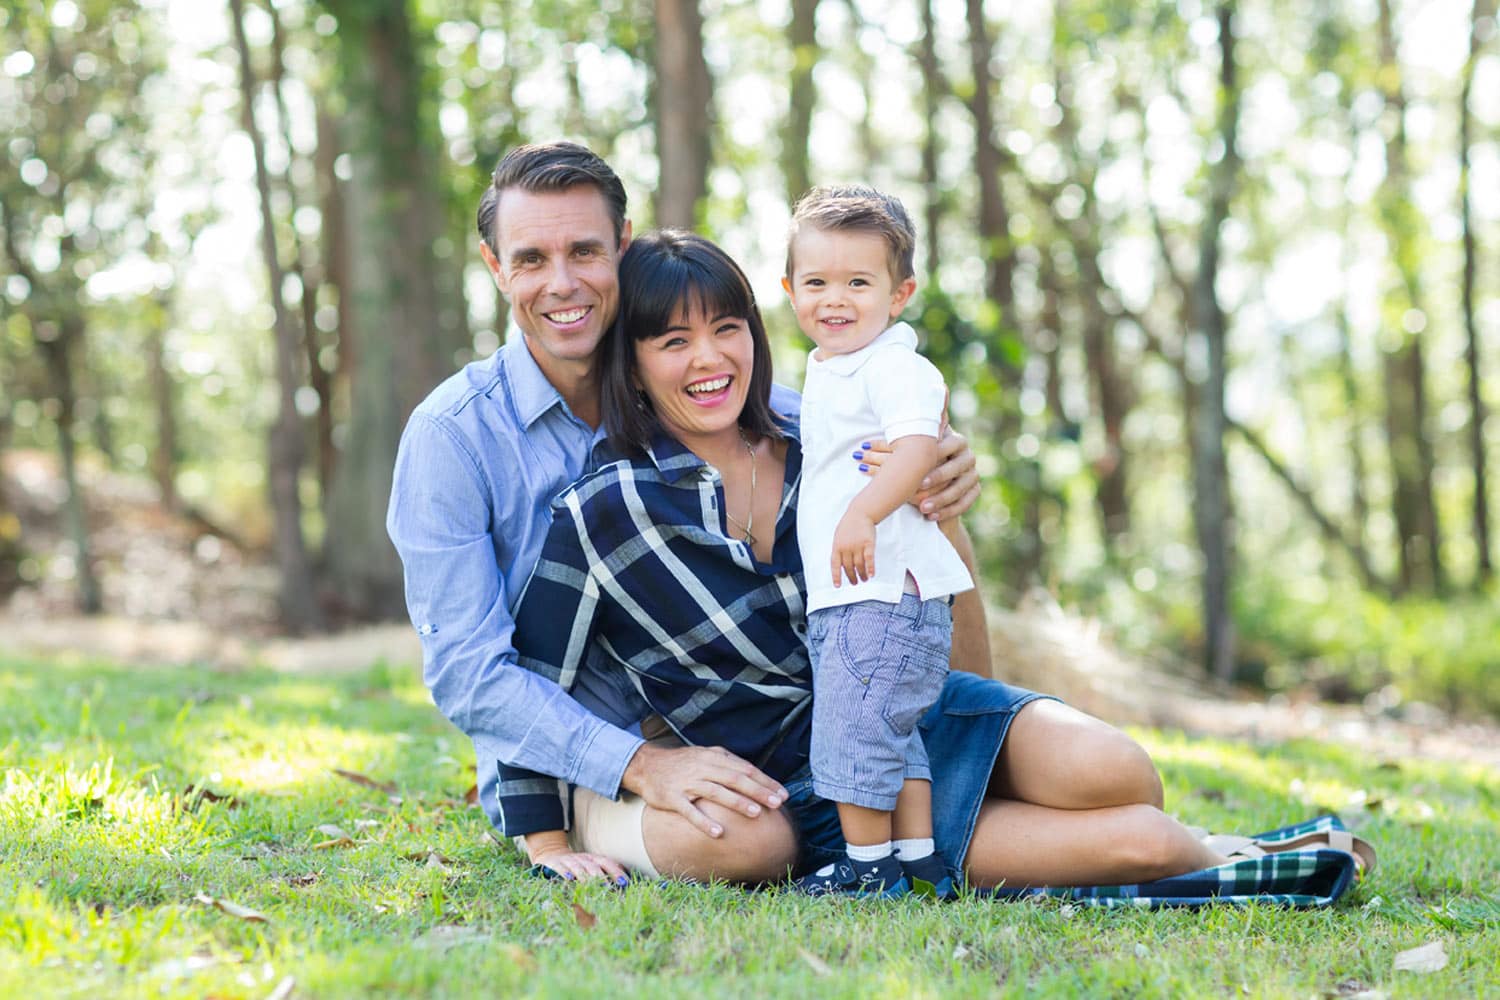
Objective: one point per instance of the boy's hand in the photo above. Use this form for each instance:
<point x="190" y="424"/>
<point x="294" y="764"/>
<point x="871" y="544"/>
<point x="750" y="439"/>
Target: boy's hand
<point x="853" y="548"/>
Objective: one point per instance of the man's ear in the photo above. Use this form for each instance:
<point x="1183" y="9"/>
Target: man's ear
<point x="496" y="271"/>
<point x="902" y="295"/>
<point x="786" y="285"/>
<point x="625" y="236"/>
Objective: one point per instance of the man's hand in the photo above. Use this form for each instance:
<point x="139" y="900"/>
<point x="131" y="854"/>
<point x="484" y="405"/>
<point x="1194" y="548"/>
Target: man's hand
<point x="550" y="848"/>
<point x="950" y="488"/>
<point x="853" y="548"/>
<point x="675" y="779"/>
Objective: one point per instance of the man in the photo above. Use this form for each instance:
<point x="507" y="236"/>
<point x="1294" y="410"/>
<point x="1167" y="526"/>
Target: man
<point x="479" y="463"/>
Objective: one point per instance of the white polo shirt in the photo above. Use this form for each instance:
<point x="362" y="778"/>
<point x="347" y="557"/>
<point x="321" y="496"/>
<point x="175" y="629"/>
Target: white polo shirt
<point x="884" y="389"/>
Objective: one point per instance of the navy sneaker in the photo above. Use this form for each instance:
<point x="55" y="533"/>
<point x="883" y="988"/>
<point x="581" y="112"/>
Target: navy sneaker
<point x="882" y="879"/>
<point x="931" y="877"/>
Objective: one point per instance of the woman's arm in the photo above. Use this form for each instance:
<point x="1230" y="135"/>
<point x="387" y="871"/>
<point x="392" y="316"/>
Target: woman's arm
<point x="550" y="848"/>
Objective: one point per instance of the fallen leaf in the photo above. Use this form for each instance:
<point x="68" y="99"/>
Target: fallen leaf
<point x="331" y="830"/>
<point x="283" y="989"/>
<point x="428" y="856"/>
<point x="819" y="967"/>
<point x="960" y="951"/>
<point x="1141" y="951"/>
<point x="366" y="781"/>
<point x="1429" y="958"/>
<point x="326" y="845"/>
<point x="434" y="860"/>
<point x="585" y="919"/>
<point x="196" y="796"/>
<point x="233" y="909"/>
<point x="302" y="881"/>
<point x="365" y="824"/>
<point x="472" y="795"/>
<point x="1210" y="794"/>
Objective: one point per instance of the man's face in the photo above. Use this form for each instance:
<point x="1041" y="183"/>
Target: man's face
<point x="556" y="264"/>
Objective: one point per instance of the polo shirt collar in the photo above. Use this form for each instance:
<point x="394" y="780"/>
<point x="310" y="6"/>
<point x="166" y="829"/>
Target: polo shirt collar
<point x="900" y="334"/>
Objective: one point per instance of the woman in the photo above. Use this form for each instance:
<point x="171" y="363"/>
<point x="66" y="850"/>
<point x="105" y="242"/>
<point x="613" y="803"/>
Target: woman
<point x="670" y="592"/>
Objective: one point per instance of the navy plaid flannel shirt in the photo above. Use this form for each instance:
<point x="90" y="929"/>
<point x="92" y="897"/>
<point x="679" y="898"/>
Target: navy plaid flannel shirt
<point x="638" y="574"/>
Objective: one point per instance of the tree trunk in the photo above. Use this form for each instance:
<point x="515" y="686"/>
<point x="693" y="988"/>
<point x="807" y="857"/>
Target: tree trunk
<point x="1483" y="13"/>
<point x="994" y="216"/>
<point x="57" y="354"/>
<point x="802" y="36"/>
<point x="407" y="303"/>
<point x="298" y="607"/>
<point x="1211" y="509"/>
<point x="684" y="97"/>
<point x="934" y="86"/>
<point x="163" y="393"/>
<point x="1406" y="425"/>
<point x="309" y="277"/>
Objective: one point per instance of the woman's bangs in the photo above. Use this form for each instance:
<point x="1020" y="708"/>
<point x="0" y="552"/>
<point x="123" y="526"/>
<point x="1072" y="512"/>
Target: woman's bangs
<point x="658" y="293"/>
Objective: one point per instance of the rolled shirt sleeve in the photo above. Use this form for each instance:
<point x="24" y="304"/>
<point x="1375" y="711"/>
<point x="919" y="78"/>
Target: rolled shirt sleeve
<point x="906" y="392"/>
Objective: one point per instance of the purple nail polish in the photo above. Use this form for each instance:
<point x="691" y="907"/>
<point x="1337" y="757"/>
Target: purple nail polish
<point x="622" y="881"/>
<point x="859" y="454"/>
<point x="863" y="467"/>
<point x="865" y="444"/>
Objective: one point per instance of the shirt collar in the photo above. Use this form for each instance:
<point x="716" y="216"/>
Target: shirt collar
<point x="899" y="334"/>
<point x="674" y="460"/>
<point x="531" y="392"/>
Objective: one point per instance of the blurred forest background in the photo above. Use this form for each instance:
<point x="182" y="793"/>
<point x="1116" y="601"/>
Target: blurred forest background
<point x="1216" y="286"/>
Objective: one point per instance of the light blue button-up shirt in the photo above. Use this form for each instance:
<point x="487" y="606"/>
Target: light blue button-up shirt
<point x="480" y="462"/>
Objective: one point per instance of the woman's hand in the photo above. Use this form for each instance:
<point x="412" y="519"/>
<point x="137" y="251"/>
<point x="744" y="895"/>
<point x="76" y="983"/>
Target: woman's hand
<point x="550" y="849"/>
<point x="950" y="488"/>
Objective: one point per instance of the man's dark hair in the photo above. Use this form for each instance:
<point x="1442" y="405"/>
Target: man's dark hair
<point x="550" y="166"/>
<point x="855" y="208"/>
<point x="662" y="273"/>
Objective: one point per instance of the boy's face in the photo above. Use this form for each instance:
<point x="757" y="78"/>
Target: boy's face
<point x="842" y="289"/>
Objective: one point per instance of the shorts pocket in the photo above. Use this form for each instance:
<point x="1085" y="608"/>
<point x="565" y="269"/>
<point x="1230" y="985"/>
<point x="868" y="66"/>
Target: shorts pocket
<point x="915" y="684"/>
<point x="863" y="642"/>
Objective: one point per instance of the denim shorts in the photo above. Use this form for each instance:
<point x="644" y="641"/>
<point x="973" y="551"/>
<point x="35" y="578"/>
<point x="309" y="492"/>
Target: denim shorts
<point x="877" y="668"/>
<point x="962" y="733"/>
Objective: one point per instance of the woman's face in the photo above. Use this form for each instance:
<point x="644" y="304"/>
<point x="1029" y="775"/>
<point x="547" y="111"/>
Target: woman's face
<point x="696" y="373"/>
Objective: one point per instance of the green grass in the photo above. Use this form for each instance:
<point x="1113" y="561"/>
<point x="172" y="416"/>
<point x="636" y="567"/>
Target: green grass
<point x="105" y="853"/>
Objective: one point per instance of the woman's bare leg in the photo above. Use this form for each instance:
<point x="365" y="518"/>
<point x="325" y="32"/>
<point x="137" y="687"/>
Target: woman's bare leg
<point x="756" y="850"/>
<point x="1074" y="801"/>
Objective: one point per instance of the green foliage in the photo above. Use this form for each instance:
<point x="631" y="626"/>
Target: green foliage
<point x="160" y="829"/>
<point x="1440" y="650"/>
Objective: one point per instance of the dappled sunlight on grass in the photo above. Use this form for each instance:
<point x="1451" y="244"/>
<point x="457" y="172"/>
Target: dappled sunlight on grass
<point x="397" y="887"/>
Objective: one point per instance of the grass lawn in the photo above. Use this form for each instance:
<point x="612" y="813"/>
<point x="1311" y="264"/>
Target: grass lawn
<point x="117" y="847"/>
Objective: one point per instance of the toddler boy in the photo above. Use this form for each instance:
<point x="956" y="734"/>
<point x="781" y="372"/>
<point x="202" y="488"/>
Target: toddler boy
<point x="880" y="577"/>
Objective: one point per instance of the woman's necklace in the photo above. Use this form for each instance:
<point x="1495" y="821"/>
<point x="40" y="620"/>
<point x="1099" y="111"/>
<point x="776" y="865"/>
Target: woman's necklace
<point x="749" y="522"/>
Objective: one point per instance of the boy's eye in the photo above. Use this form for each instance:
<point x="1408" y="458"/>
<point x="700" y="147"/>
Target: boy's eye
<point x="859" y="282"/>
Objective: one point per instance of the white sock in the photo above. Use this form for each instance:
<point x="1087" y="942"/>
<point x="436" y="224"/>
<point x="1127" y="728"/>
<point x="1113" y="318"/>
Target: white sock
<point x="914" y="849"/>
<point x="869" y="852"/>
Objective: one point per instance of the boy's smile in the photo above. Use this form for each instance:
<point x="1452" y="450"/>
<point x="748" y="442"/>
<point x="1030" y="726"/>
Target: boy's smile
<point x="842" y="289"/>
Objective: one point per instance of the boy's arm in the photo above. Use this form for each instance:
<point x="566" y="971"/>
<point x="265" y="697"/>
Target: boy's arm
<point x="911" y="458"/>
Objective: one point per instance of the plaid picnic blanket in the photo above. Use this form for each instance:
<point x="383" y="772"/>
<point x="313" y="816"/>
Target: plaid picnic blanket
<point x="1299" y="879"/>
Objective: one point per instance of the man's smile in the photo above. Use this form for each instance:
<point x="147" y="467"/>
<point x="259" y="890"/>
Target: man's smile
<point x="567" y="317"/>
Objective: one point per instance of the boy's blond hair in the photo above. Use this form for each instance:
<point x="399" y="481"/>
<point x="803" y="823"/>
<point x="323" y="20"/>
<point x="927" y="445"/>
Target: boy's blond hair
<point x="856" y="208"/>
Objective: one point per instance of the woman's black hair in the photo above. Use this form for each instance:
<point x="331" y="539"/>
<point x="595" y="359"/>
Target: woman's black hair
<point x="661" y="273"/>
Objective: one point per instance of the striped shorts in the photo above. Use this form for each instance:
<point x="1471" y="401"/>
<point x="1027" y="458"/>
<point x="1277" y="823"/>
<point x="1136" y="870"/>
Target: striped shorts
<point x="877" y="668"/>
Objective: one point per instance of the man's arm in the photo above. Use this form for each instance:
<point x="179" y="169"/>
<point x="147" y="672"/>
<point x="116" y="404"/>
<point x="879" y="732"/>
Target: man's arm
<point x="459" y="601"/>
